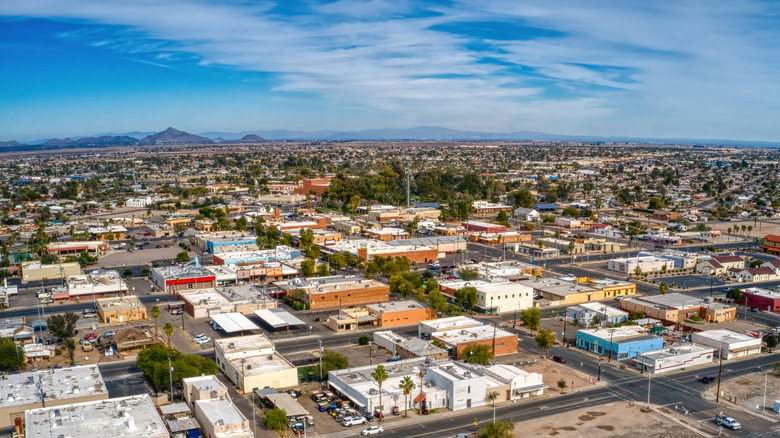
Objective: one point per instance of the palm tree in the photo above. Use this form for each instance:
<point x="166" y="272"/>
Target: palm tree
<point x="421" y="374"/>
<point x="728" y="237"/>
<point x="407" y="385"/>
<point x="168" y="328"/>
<point x="380" y="375"/>
<point x="155" y="314"/>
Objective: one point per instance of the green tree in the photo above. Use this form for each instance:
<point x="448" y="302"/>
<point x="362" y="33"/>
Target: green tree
<point x="467" y="274"/>
<point x="183" y="257"/>
<point x="638" y="271"/>
<point x="544" y="340"/>
<point x="275" y="419"/>
<point x="11" y="356"/>
<point x="595" y="321"/>
<point x="380" y="375"/>
<point x="49" y="259"/>
<point x="531" y="318"/>
<point x="478" y="354"/>
<point x="337" y="261"/>
<point x="168" y="329"/>
<point x="70" y="345"/>
<point x="63" y="325"/>
<point x="570" y="212"/>
<point x="155" y="312"/>
<point x="562" y="385"/>
<point x="771" y="341"/>
<point x="307" y="267"/>
<point x="734" y="294"/>
<point x="437" y="301"/>
<point x="501" y="429"/>
<point x="332" y="361"/>
<point x="400" y="285"/>
<point x="655" y="203"/>
<point x="502" y="219"/>
<point x="523" y="198"/>
<point x="407" y="385"/>
<point x="322" y="270"/>
<point x="663" y="288"/>
<point x="466" y="297"/>
<point x="153" y="361"/>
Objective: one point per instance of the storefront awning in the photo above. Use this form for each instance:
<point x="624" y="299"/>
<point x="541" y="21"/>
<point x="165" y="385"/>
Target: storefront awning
<point x="531" y="388"/>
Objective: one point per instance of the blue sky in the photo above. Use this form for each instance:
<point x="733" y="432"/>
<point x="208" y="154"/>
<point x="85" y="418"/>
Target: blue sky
<point x="693" y="69"/>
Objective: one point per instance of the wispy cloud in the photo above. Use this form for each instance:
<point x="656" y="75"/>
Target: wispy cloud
<point x="685" y="68"/>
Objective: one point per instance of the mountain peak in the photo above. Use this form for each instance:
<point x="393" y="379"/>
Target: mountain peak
<point x="174" y="136"/>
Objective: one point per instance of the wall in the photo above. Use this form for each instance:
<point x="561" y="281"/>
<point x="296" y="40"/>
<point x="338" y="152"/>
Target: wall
<point x="348" y="297"/>
<point x="406" y="317"/>
<point x="504" y="345"/>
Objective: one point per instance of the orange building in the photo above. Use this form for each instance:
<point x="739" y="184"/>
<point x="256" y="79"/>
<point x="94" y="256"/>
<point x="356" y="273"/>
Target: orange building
<point x="501" y="341"/>
<point x="316" y="185"/>
<point x="337" y="291"/>
<point x="771" y="244"/>
<point x="397" y="313"/>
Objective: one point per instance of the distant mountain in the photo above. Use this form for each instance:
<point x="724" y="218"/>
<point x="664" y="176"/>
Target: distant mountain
<point x="11" y="143"/>
<point x="251" y="138"/>
<point x="58" y="142"/>
<point x="174" y="136"/>
<point x="105" y="140"/>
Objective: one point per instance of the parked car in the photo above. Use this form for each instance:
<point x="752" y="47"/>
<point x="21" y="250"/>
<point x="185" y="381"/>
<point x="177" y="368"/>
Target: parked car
<point x="708" y="379"/>
<point x="559" y="359"/>
<point x="728" y="422"/>
<point x="353" y="421"/>
<point x="176" y="312"/>
<point x="394" y="359"/>
<point x="372" y="430"/>
<point x="90" y="337"/>
<point x="201" y="341"/>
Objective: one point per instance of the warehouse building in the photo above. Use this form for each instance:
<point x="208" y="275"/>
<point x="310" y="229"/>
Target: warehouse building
<point x="731" y="344"/>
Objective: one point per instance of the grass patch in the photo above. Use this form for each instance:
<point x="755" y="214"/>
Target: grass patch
<point x="303" y="372"/>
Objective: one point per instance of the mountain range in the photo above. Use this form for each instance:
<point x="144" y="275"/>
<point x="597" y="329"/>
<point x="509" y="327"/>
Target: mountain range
<point x="173" y="136"/>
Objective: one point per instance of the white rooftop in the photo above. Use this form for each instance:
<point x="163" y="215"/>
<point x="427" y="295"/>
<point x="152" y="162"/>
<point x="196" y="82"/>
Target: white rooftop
<point x="220" y="410"/>
<point x="617" y="333"/>
<point x="451" y="323"/>
<point x="58" y="384"/>
<point x="676" y="351"/>
<point x="234" y="322"/>
<point x="727" y="336"/>
<point x="602" y="308"/>
<point x="277" y="318"/>
<point x="204" y="383"/>
<point x="396" y="306"/>
<point x="766" y="293"/>
<point x="134" y="416"/>
<point x="245" y="344"/>
<point x="471" y="334"/>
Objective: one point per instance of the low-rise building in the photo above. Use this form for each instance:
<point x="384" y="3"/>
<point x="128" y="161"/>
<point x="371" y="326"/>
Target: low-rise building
<point x="397" y="313"/>
<point x="581" y="290"/>
<point x="763" y="299"/>
<point x="511" y="270"/>
<point x="628" y="265"/>
<point x="750" y="275"/>
<point x="385" y="234"/>
<point x="251" y="362"/>
<point x="58" y="387"/>
<point x="679" y="307"/>
<point x="408" y="348"/>
<point x="443" y="244"/>
<point x="500" y="341"/>
<point x="426" y="329"/>
<point x="585" y="312"/>
<point x="175" y="279"/>
<point x="368" y="250"/>
<point x="203" y="388"/>
<point x="567" y="222"/>
<point x="337" y="291"/>
<point x="75" y="248"/>
<point x="564" y="246"/>
<point x="674" y="358"/>
<point x="134" y="416"/>
<point x="120" y="309"/>
<point x="721" y="264"/>
<point x="96" y="284"/>
<point x="231" y="243"/>
<point x="36" y="271"/>
<point x="281" y="252"/>
<point x="220" y="418"/>
<point x="465" y="388"/>
<point x="771" y="244"/>
<point x="619" y="343"/>
<point x="494" y="297"/>
<point x="242" y="298"/>
<point x="109" y="233"/>
<point x="527" y="215"/>
<point x="484" y="227"/>
<point x="728" y="342"/>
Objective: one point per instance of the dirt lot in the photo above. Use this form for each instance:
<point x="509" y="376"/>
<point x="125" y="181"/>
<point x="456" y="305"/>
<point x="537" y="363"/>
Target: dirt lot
<point x="611" y="420"/>
<point x="748" y="391"/>
<point x="764" y="227"/>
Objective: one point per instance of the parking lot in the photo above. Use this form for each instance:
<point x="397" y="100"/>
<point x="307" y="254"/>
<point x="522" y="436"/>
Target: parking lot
<point x="690" y="281"/>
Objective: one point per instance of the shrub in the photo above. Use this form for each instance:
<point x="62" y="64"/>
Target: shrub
<point x="363" y="340"/>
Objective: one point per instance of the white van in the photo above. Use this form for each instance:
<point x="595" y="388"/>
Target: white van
<point x="353" y="421"/>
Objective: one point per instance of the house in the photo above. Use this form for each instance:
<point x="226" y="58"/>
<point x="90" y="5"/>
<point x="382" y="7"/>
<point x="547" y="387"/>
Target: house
<point x="729" y="343"/>
<point x="771" y="244"/>
<point x="619" y="343"/>
<point x="774" y="265"/>
<point x="721" y="264"/>
<point x="666" y="216"/>
<point x="527" y="215"/>
<point x="752" y="274"/>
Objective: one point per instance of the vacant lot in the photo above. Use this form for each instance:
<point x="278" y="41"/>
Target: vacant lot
<point x="748" y="391"/>
<point x="611" y="420"/>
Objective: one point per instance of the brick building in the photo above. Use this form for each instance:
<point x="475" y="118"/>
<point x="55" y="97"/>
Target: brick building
<point x="397" y="313"/>
<point x="337" y="291"/>
<point x="501" y="341"/>
<point x="771" y="244"/>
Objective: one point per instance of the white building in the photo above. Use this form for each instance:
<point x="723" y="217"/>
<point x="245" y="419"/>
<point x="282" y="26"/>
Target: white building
<point x="498" y="297"/>
<point x="134" y="416"/>
<point x="510" y="382"/>
<point x="585" y="312"/>
<point x="527" y="215"/>
<point x="220" y="418"/>
<point x="203" y="388"/>
<point x="139" y="202"/>
<point x="732" y="344"/>
<point x="96" y="284"/>
<point x="674" y="358"/>
<point x="251" y="362"/>
<point x="426" y="328"/>
<point x="465" y="388"/>
<point x="646" y="264"/>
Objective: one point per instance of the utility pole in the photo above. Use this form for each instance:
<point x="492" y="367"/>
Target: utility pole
<point x="611" y="333"/>
<point x="565" y="318"/>
<point x="648" y="388"/>
<point x="408" y="182"/>
<point x="170" y="376"/>
<point x="720" y="370"/>
<point x="254" y="421"/>
<point x="320" y="340"/>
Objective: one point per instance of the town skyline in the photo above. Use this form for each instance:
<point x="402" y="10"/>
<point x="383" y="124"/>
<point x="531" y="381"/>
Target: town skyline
<point x="659" y="71"/>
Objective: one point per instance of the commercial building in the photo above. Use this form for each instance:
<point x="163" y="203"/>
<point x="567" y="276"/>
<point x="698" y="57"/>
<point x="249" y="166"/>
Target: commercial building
<point x="563" y="246"/>
<point x="220" y="418"/>
<point x="231" y="243"/>
<point x="494" y="297"/>
<point x="337" y="291"/>
<point x="484" y="208"/>
<point x="509" y="270"/>
<point x="96" y="284"/>
<point x="567" y="222"/>
<point x="120" y="309"/>
<point x="628" y="265"/>
<point x="367" y="250"/>
<point x="281" y="252"/>
<point x="728" y="342"/>
<point x="443" y="244"/>
<point x="261" y="271"/>
<point x="175" y="279"/>
<point x="385" y="234"/>
<point x="134" y="416"/>
<point x="75" y="248"/>
<point x="619" y="343"/>
<point x="203" y="388"/>
<point x="251" y="362"/>
<point x="585" y="312"/>
<point x="318" y="223"/>
<point x="581" y="290"/>
<point x="510" y="382"/>
<point x="109" y="233"/>
<point x="397" y="313"/>
<point x="465" y="388"/>
<point x="386" y="213"/>
<point x="36" y="271"/>
<point x="763" y="299"/>
<point x="426" y="329"/>
<point x="58" y="387"/>
<point x="535" y="252"/>
<point x="312" y="185"/>
<point x="674" y="358"/>
<point x="679" y="307"/>
<point x="484" y="227"/>
<point x="500" y="341"/>
<point x="242" y="298"/>
<point x="771" y="244"/>
<point x="408" y="348"/>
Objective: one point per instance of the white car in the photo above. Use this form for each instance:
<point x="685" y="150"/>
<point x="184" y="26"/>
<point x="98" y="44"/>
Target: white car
<point x="200" y="336"/>
<point x="353" y="421"/>
<point x="730" y="423"/>
<point x="201" y="341"/>
<point x="372" y="430"/>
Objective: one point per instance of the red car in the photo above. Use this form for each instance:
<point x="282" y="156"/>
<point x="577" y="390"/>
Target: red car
<point x="90" y="337"/>
<point x="451" y="277"/>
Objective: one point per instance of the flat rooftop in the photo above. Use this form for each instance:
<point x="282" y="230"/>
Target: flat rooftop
<point x="427" y="241"/>
<point x="204" y="297"/>
<point x="602" y="308"/>
<point x="58" y="384"/>
<point x="281" y="251"/>
<point x="205" y="383"/>
<point x="278" y="318"/>
<point x="727" y="336"/>
<point x="765" y="293"/>
<point x="220" y="410"/>
<point x="234" y="322"/>
<point x="328" y="284"/>
<point x="262" y="364"/>
<point x="560" y="287"/>
<point x="617" y="334"/>
<point x="451" y="323"/>
<point x="471" y="334"/>
<point x="673" y="301"/>
<point x="129" y="302"/>
<point x="396" y="306"/>
<point x="455" y="371"/>
<point x="676" y="351"/>
<point x="134" y="416"/>
<point x="360" y="380"/>
<point x="181" y="272"/>
<point x="244" y="343"/>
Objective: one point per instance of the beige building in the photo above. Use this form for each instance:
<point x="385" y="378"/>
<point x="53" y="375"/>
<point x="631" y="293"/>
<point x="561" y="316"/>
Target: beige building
<point x="60" y="387"/>
<point x="220" y="418"/>
<point x="203" y="388"/>
<point x="120" y="309"/>
<point x="251" y="362"/>
<point x="35" y="271"/>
